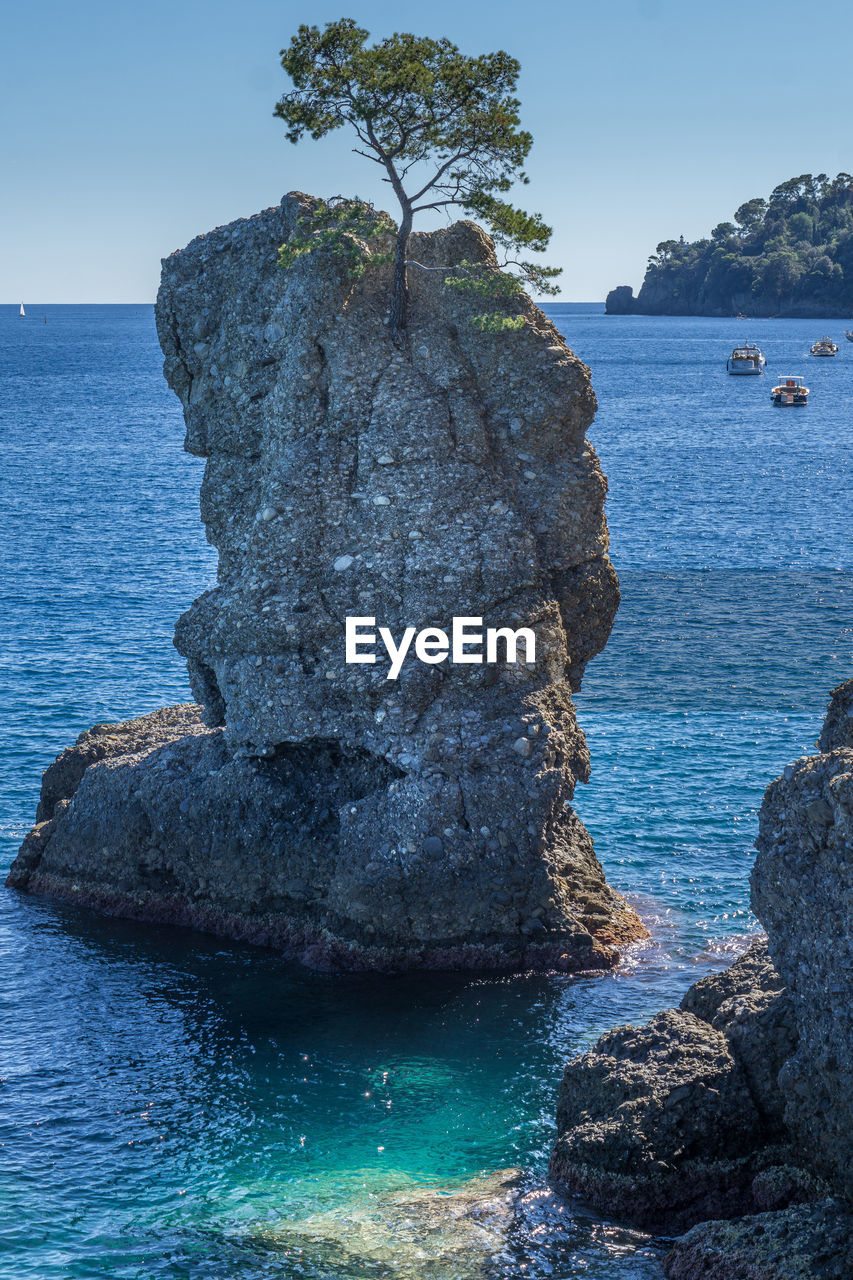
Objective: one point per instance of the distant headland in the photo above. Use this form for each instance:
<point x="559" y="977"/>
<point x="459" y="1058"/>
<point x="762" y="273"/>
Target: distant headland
<point x="789" y="255"/>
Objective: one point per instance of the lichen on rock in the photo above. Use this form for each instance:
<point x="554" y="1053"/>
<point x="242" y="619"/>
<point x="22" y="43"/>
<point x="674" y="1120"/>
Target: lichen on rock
<point x="350" y="819"/>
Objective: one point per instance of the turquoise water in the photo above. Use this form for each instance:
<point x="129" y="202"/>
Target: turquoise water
<point x="171" y="1106"/>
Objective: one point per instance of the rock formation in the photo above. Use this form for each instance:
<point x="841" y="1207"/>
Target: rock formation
<point x="807" y="1242"/>
<point x="802" y="891"/>
<point x="621" y="301"/>
<point x="671" y="1123"/>
<point x="741" y="1102"/>
<point x="321" y="807"/>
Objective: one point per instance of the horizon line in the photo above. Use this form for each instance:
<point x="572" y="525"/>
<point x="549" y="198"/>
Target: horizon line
<point x="574" y="302"/>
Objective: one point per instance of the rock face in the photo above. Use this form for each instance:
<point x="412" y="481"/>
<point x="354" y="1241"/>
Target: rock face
<point x="620" y="301"/>
<point x="670" y="1123"/>
<point x="837" y="729"/>
<point x="808" y="1242"/>
<point x="742" y="1101"/>
<point x="350" y="818"/>
<point x="802" y="890"/>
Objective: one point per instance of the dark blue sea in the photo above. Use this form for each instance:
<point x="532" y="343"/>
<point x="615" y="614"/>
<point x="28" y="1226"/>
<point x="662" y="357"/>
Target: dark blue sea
<point x="172" y="1106"/>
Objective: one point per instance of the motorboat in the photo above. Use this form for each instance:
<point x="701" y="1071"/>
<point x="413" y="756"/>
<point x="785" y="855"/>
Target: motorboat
<point x="746" y="358"/>
<point x="790" y="390"/>
<point x="848" y="333"/>
<point x="825" y="347"/>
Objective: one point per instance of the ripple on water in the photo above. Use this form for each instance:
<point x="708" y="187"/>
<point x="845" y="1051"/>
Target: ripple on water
<point x="174" y="1107"/>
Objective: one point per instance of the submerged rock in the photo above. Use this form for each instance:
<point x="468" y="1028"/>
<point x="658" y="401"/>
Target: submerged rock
<point x="348" y="818"/>
<point x="741" y="1103"/>
<point x="459" y="1233"/>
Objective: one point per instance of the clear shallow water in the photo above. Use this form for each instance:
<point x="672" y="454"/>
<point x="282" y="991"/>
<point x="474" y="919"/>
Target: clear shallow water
<point x="174" y="1107"/>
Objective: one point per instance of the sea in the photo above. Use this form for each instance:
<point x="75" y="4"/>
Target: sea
<point x="173" y="1106"/>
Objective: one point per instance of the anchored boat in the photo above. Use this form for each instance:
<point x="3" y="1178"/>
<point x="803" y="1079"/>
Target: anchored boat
<point x="746" y="359"/>
<point x="825" y="347"/>
<point x="791" y="390"/>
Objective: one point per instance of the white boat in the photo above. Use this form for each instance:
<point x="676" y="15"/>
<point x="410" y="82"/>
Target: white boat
<point x="22" y="312"/>
<point x="848" y="333"/>
<point x="825" y="347"/>
<point x="746" y="358"/>
<point x="790" y="390"/>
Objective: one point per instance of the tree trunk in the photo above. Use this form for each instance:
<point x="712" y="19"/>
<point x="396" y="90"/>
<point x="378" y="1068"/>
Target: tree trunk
<point x="400" y="297"/>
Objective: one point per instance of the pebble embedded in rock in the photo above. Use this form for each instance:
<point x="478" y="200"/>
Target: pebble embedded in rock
<point x="522" y="747"/>
<point x="433" y="845"/>
<point x="343" y="562"/>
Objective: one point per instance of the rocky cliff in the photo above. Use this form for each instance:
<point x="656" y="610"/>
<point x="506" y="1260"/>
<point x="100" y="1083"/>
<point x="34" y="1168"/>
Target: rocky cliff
<point x="349" y="818"/>
<point x="741" y="1102"/>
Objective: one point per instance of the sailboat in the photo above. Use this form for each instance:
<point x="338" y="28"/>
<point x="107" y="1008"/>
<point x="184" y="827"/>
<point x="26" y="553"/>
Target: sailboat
<point x="22" y="312"/>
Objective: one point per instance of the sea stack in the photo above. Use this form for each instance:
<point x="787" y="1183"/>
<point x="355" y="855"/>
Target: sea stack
<point x="312" y="803"/>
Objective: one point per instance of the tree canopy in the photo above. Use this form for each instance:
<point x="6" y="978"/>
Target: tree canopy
<point x="444" y="127"/>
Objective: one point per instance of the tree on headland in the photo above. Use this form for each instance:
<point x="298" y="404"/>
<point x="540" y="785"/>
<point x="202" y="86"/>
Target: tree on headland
<point x="750" y="215"/>
<point x="664" y="252"/>
<point x="444" y="128"/>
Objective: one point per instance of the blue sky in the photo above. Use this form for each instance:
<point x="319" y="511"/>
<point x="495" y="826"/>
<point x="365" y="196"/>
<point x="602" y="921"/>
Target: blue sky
<point x="128" y="128"/>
